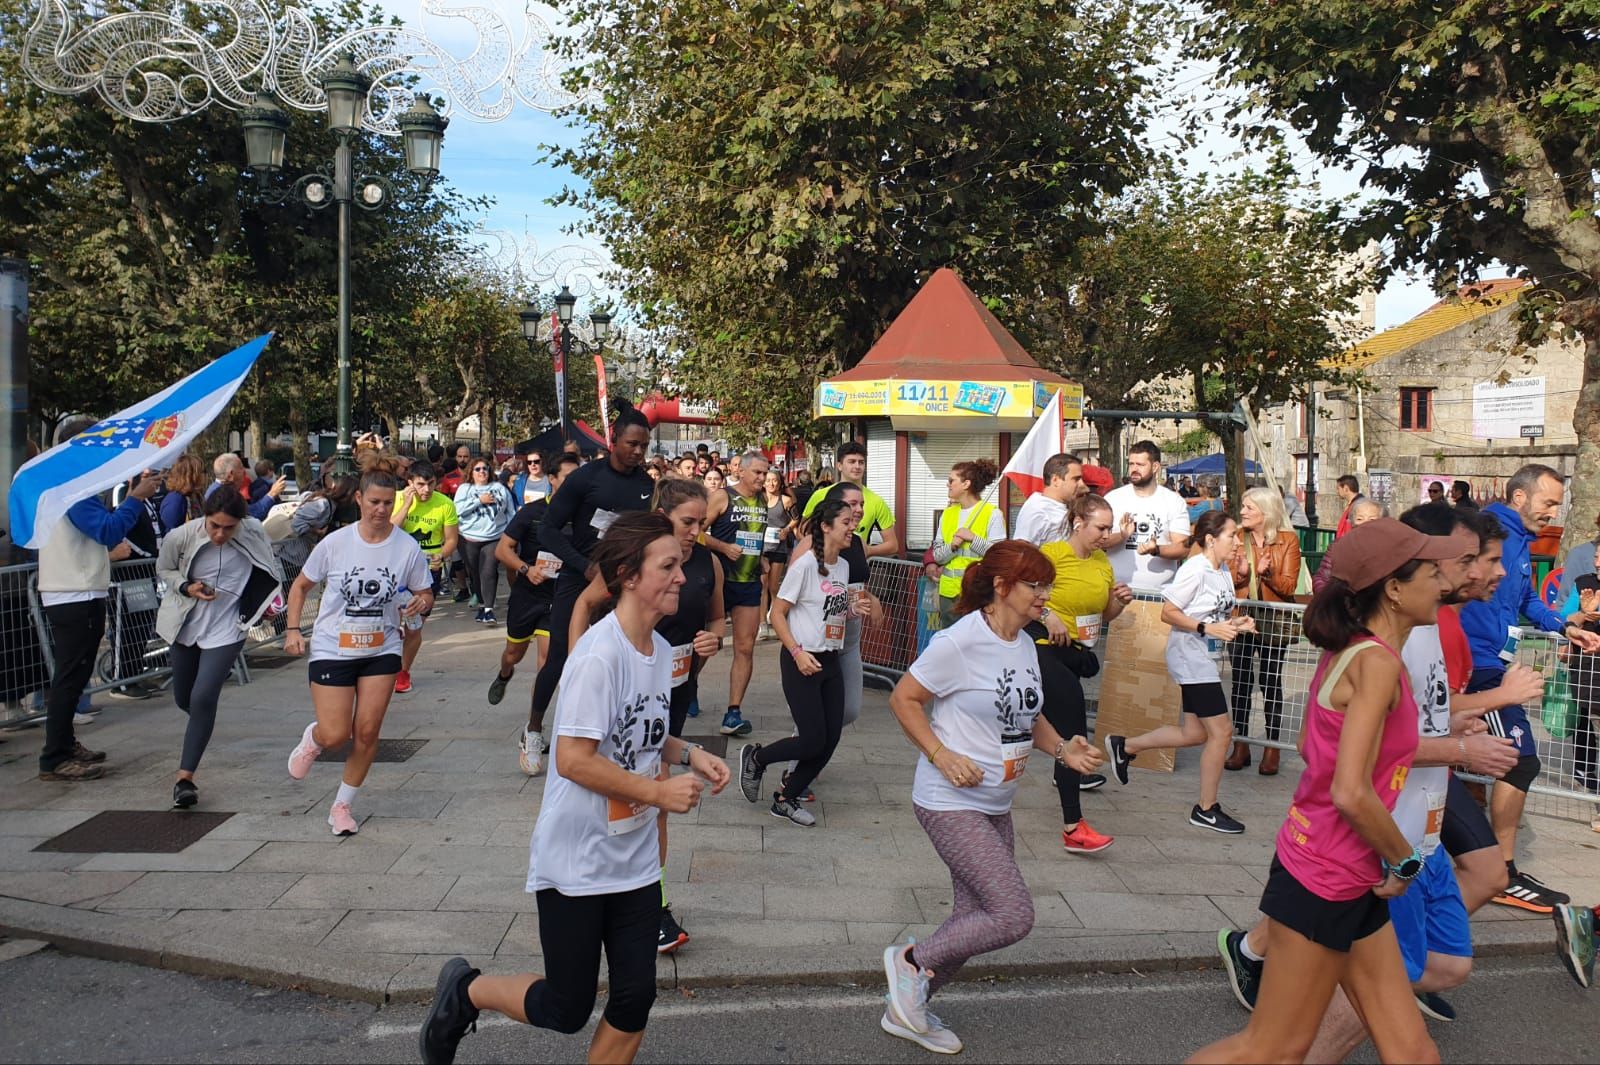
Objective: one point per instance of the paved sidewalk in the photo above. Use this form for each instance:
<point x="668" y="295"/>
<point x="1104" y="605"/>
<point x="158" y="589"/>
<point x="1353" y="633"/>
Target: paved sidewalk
<point x="438" y="868"/>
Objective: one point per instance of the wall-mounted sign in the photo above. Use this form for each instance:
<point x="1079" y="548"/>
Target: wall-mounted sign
<point x="1499" y="412"/>
<point x="943" y="398"/>
<point x="1532" y="432"/>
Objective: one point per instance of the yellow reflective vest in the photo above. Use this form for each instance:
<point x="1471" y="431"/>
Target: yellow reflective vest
<point x="950" y="578"/>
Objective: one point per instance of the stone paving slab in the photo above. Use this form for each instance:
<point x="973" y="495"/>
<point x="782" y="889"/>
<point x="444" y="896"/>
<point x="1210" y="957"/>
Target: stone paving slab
<point x="439" y="865"/>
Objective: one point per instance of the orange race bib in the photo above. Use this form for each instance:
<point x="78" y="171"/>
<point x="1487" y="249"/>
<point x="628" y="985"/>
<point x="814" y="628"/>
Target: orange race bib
<point x="360" y="635"/>
<point x="1430" y="839"/>
<point x="1014" y="750"/>
<point x="623" y="817"/>
<point x="682" y="660"/>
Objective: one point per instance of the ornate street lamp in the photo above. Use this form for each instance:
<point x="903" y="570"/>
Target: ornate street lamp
<point x="562" y="344"/>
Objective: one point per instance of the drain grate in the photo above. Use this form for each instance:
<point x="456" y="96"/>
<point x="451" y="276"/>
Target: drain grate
<point x="135" y="832"/>
<point x="388" y="751"/>
<point x="717" y="745"/>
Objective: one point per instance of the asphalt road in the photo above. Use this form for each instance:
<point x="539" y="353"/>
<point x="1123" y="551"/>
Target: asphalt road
<point x="59" y="1008"/>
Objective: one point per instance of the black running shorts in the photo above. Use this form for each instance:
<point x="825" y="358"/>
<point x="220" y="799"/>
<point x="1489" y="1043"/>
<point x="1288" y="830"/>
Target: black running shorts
<point x="344" y="672"/>
<point x="1204" y="700"/>
<point x="1335" y="925"/>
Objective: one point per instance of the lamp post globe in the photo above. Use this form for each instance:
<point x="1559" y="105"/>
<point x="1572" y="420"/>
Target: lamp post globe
<point x="531" y="317"/>
<point x="565" y="302"/>
<point x="266" y="130"/>
<point x="601" y="320"/>
<point x="346" y="89"/>
<point x="422" y="131"/>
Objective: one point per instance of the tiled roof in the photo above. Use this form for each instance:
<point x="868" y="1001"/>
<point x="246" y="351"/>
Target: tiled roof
<point x="1470" y="302"/>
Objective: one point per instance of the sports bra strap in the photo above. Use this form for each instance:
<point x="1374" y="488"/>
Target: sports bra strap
<point x="1340" y="664"/>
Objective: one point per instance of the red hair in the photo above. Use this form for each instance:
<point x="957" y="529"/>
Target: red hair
<point x="1011" y="561"/>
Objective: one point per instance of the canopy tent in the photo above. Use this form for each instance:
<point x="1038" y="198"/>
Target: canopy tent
<point x="549" y="442"/>
<point x="1210" y="465"/>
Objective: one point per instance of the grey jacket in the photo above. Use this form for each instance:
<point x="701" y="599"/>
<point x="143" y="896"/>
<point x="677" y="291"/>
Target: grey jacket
<point x="177" y="559"/>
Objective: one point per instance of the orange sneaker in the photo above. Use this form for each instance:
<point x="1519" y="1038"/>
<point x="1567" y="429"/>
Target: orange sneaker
<point x="1085" y="840"/>
<point x="402" y="682"/>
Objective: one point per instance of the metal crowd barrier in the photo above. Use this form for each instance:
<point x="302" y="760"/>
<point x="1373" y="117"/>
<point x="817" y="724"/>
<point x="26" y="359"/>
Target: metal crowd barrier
<point x="889" y="650"/>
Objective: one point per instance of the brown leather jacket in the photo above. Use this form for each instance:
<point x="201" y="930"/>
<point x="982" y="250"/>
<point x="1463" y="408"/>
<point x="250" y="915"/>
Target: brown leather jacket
<point x="1277" y="568"/>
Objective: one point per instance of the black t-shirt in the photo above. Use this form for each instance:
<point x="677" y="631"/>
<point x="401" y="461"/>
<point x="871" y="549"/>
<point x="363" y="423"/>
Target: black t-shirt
<point x="694" y="598"/>
<point x="524" y="529"/>
<point x="588" y="491"/>
<point x="856" y="556"/>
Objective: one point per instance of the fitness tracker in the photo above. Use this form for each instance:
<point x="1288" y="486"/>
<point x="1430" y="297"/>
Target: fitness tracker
<point x="1200" y="630"/>
<point x="1406" y="869"/>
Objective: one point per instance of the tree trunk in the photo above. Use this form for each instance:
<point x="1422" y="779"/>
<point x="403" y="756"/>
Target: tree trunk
<point x="1233" y="455"/>
<point x="255" y="440"/>
<point x="1110" y="433"/>
<point x="1580" y="526"/>
<point x="300" y="430"/>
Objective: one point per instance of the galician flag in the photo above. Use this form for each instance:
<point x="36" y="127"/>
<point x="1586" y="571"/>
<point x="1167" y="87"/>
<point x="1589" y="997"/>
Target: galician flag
<point x="150" y="435"/>
<point x="1043" y="440"/>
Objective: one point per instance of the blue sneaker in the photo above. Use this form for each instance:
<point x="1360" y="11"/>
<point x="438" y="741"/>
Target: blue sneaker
<point x="735" y="725"/>
<point x="694" y="707"/>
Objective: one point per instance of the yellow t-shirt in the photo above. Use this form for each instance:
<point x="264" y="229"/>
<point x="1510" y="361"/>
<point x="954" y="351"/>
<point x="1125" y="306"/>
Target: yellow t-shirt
<point x="1081" y="590"/>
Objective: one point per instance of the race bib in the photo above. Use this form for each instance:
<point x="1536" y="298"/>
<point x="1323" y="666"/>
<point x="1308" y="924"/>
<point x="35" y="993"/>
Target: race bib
<point x="1014" y="750"/>
<point x="532" y="495"/>
<point x="770" y="538"/>
<point x="623" y="817"/>
<point x="547" y="564"/>
<point x="682" y="660"/>
<point x="749" y="542"/>
<point x="1430" y="838"/>
<point x="1088" y="626"/>
<point x="833" y="635"/>
<point x="361" y="635"/>
<point x="602" y="521"/>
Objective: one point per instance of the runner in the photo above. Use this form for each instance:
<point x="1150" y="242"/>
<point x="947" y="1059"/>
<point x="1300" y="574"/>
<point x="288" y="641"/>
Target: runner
<point x="1084" y="598"/>
<point x="428" y="516"/>
<point x="809" y="617"/>
<point x="483" y="510"/>
<point x="1154" y="521"/>
<point x="531" y="574"/>
<point x="851" y="460"/>
<point x="1329" y="924"/>
<point x="594" y="859"/>
<point x="1199" y="606"/>
<point x="714" y="480"/>
<point x="966" y="529"/>
<point x="782" y="518"/>
<point x="971" y="705"/>
<point x="219" y="571"/>
<point x="375" y="578"/>
<point x="1045" y="515"/>
<point x="1265" y="568"/>
<point x="737" y="522"/>
<point x="694" y="632"/>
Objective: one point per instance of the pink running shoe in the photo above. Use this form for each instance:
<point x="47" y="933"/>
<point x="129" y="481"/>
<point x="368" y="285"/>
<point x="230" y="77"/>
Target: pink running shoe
<point x="304" y="753"/>
<point x="342" y="821"/>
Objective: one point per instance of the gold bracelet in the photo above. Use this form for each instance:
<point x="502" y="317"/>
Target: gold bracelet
<point x="935" y="753"/>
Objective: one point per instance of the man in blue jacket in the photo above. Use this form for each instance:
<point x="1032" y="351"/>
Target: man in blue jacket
<point x="1533" y="495"/>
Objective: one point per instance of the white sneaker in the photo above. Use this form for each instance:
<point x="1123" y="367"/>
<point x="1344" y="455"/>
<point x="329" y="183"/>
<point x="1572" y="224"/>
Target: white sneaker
<point x="82" y="719"/>
<point x="908" y="988"/>
<point x="937" y="1038"/>
<point x="530" y="753"/>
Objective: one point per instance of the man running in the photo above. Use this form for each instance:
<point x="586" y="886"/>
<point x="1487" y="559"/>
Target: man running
<point x="851" y="460"/>
<point x="737" y="520"/>
<point x="1045" y="516"/>
<point x="428" y="516"/>
<point x="1153" y="521"/>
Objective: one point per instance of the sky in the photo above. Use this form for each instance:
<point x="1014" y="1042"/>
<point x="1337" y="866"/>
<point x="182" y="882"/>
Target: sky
<point x="502" y="160"/>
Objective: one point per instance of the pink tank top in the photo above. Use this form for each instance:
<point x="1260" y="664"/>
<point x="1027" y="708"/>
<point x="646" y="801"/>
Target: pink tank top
<point x="1316" y="844"/>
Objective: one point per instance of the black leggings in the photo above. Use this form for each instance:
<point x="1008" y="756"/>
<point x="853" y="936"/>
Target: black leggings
<point x="572" y="929"/>
<point x="1242" y="655"/>
<point x="1067" y="713"/>
<point x="483" y="572"/>
<point x="198" y="675"/>
<point x="563" y="599"/>
<point x="817" y="705"/>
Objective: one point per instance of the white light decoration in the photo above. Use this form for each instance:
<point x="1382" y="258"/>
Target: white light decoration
<point x="163" y="65"/>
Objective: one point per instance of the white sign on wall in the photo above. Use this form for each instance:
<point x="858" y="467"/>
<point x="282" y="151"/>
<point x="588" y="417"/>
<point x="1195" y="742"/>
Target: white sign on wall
<point x="1499" y="412"/>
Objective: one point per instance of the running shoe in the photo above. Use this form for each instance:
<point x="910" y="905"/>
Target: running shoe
<point x="402" y="682"/>
<point x="1434" y="1005"/>
<point x="304" y="753"/>
<point x="750" y="772"/>
<point x="73" y="771"/>
<point x="497" y="689"/>
<point x="908" y="988"/>
<point x="733" y="724"/>
<point x="477" y="615"/>
<point x="530" y="753"/>
<point x="83" y="718"/>
<point x="1527" y="893"/>
<point x="694" y="707"/>
<point x="1215" y="820"/>
<point x="463" y="596"/>
<point x="185" y="794"/>
<point x="792" y="811"/>
<point x="488" y="617"/>
<point x="1085" y="840"/>
<point x="342" y="821"/>
<point x="1243" y="973"/>
<point x="1091" y="782"/>
<point x="1117" y="751"/>
<point x="806" y="796"/>
<point x="83" y="754"/>
<point x="451" y="1016"/>
<point x="1575" y="944"/>
<point x="672" y="934"/>
<point x="937" y="1038"/>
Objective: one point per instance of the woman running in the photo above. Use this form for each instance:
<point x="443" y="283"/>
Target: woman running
<point x="1085" y="597"/>
<point x="1340" y="855"/>
<point x="971" y="704"/>
<point x="484" y="509"/>
<point x="221" y="575"/>
<point x="966" y="529"/>
<point x="809" y="618"/>
<point x="594" y="863"/>
<point x="781" y="514"/>
<point x="375" y="579"/>
<point x="1199" y="608"/>
<point x="1265" y="568"/>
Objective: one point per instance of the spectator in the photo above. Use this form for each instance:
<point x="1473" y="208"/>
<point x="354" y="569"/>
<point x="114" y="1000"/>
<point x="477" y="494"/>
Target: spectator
<point x="1187" y="489"/>
<point x="265" y="474"/>
<point x="1210" y="499"/>
<point x="1435" y="492"/>
<point x="1349" y="490"/>
<point x="1096" y="480"/>
<point x="1361" y="511"/>
<point x="228" y="468"/>
<point x="186" y="491"/>
<point x="1461" y="496"/>
<point x="530" y="483"/>
<point x="1579" y="561"/>
<point x="1292" y="507"/>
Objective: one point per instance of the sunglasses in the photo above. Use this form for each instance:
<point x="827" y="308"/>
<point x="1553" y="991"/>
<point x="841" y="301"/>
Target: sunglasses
<point x="480" y="469"/>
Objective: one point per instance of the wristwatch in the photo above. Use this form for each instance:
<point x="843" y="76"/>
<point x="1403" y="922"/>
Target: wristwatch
<point x="688" y="749"/>
<point x="522" y="570"/>
<point x="1407" y="869"/>
<point x="1200" y="630"/>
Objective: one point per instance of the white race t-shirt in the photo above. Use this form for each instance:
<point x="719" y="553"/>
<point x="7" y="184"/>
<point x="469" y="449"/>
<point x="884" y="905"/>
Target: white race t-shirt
<point x="583" y="842"/>
<point x="1042" y="520"/>
<point x="987" y="693"/>
<point x="365" y="585"/>
<point x="1205" y="593"/>
<point x="215" y="623"/>
<point x="1155" y="517"/>
<point x="1419" y="810"/>
<point x="819" y="603"/>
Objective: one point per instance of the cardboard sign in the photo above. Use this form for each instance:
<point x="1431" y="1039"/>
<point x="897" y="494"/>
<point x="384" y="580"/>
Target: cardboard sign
<point x="1136" y="694"/>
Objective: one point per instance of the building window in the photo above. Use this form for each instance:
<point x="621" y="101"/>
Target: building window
<point x="1416" y="409"/>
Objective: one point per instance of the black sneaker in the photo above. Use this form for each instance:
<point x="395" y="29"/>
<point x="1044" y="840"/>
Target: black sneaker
<point x="1433" y="1005"/>
<point x="750" y="772"/>
<point x="185" y="794"/>
<point x="463" y="595"/>
<point x="451" y="1016"/>
<point x="497" y="689"/>
<point x="1526" y="893"/>
<point x="1091" y="782"/>
<point x="672" y="934"/>
<point x="1243" y="973"/>
<point x="1215" y="820"/>
<point x="1116" y="749"/>
<point x="792" y="811"/>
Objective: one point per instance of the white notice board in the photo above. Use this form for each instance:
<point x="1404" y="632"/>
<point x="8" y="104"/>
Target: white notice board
<point x="1499" y="412"/>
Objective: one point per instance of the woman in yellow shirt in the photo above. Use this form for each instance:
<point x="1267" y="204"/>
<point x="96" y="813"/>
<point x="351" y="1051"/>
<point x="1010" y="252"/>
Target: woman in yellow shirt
<point x="1084" y="599"/>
